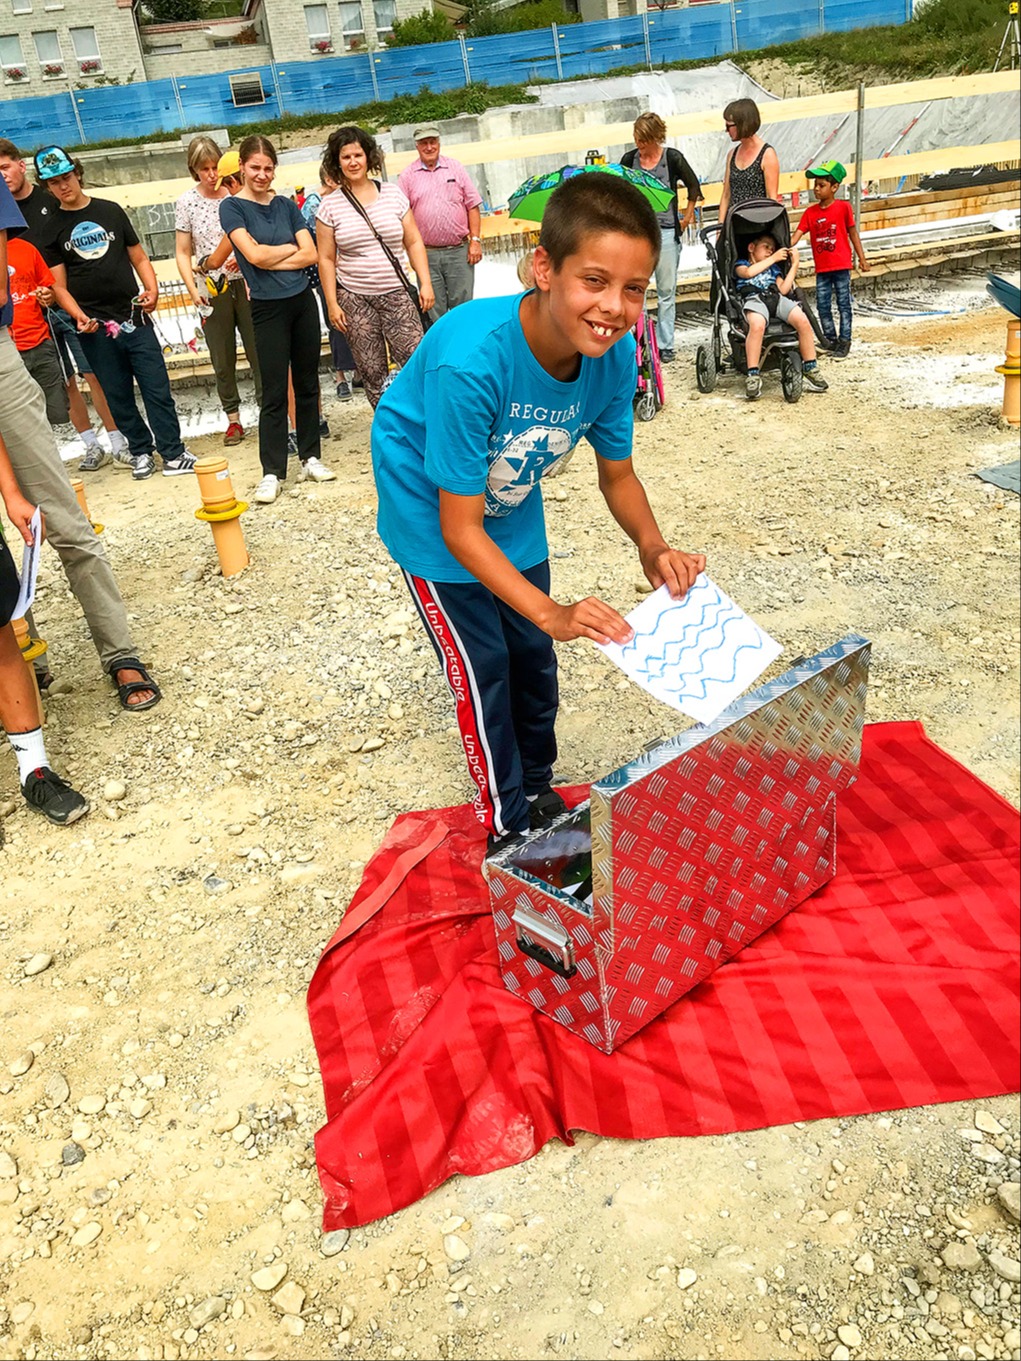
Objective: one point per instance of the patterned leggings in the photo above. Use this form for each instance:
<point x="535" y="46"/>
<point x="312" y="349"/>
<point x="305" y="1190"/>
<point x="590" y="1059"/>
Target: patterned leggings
<point x="375" y="322"/>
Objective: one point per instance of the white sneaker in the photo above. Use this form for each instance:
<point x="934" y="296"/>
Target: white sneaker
<point x="316" y="471"/>
<point x="268" y="490"/>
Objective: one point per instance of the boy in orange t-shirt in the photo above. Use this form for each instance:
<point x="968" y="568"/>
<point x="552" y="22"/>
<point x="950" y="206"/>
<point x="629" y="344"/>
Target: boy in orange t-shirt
<point x="27" y="273"/>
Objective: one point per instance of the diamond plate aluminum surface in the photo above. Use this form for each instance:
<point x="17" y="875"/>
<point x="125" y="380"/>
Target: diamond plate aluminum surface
<point x="697" y="847"/>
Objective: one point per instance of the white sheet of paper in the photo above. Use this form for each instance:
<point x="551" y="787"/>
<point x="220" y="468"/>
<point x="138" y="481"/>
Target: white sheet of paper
<point x="697" y="654"/>
<point x="29" y="569"/>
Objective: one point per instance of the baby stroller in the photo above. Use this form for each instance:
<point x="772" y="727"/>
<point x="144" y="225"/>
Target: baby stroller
<point x="649" y="383"/>
<point x="726" y="243"/>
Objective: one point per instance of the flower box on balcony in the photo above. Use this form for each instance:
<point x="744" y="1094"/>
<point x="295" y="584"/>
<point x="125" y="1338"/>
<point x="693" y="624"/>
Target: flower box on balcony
<point x="53" y="69"/>
<point x="90" y="66"/>
<point x="15" y="73"/>
<point x="323" y="46"/>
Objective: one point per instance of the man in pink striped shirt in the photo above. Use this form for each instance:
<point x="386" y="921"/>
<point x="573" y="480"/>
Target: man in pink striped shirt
<point x="445" y="204"/>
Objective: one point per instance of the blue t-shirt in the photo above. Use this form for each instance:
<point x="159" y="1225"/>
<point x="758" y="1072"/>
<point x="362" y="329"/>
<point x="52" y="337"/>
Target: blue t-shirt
<point x="276" y="223"/>
<point x="474" y="411"/>
<point x="761" y="283"/>
<point x="12" y="222"/>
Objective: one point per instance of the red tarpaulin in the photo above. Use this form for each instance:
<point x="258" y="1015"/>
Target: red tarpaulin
<point x="896" y="985"/>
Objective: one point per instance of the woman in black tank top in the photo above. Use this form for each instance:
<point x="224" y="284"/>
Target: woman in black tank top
<point x="759" y="177"/>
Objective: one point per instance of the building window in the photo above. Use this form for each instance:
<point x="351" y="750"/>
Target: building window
<point x="384" y="12"/>
<point x="352" y="25"/>
<point x="86" y="51"/>
<point x="21" y="6"/>
<point x="317" y="21"/>
<point x="12" y="59"/>
<point x="47" y="49"/>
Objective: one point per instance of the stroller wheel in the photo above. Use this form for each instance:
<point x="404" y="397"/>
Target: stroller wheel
<point x="646" y="406"/>
<point x="705" y="369"/>
<point x="791" y="377"/>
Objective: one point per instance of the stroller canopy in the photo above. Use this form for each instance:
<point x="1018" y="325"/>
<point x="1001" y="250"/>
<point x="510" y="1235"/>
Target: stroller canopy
<point x="748" y="220"/>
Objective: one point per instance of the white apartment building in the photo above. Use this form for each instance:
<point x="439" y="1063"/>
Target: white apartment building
<point x="48" y="45"/>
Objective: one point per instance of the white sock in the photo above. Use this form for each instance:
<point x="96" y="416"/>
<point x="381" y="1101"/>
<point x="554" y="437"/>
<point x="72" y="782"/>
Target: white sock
<point x="89" y="438"/>
<point x="117" y="441"/>
<point x="30" y="749"/>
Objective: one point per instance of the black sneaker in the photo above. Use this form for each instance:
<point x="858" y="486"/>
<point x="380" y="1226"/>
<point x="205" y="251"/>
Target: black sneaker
<point x="545" y="808"/>
<point x="47" y="793"/>
<point x="324" y="429"/>
<point x="344" y="393"/>
<point x="814" y="381"/>
<point x="666" y="356"/>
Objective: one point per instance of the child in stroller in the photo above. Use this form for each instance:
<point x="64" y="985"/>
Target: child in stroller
<point x="727" y="243"/>
<point x="765" y="283"/>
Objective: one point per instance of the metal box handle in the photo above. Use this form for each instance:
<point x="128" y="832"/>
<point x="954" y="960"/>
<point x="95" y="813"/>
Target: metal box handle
<point x="556" y="952"/>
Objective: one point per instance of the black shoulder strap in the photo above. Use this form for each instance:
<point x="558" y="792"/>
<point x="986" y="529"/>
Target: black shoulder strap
<point x="405" y="281"/>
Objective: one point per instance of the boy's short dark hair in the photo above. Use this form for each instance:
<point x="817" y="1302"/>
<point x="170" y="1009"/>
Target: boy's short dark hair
<point x="744" y="114"/>
<point x="8" y="151"/>
<point x="768" y="237"/>
<point x="595" y="203"/>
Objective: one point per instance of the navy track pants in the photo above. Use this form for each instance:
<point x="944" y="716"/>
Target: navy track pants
<point x="502" y="672"/>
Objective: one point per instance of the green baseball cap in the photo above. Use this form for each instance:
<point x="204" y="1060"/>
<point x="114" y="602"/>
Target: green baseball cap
<point x="831" y="170"/>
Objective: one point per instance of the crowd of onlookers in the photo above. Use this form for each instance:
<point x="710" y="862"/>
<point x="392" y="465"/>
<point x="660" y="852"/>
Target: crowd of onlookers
<point x="272" y="269"/>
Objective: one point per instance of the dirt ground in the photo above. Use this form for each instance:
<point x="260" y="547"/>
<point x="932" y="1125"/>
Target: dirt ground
<point x="159" y="1090"/>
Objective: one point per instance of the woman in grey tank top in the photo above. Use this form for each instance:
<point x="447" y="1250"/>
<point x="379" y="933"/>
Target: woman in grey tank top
<point x="753" y="169"/>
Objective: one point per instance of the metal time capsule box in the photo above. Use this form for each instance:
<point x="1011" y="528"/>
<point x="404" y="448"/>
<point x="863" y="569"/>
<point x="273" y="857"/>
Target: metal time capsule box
<point x="684" y="855"/>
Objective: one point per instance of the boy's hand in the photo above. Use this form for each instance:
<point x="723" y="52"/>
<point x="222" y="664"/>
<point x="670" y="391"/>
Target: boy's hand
<point x="86" y="325"/>
<point x="589" y="618"/>
<point x="148" y="299"/>
<point x="44" y="296"/>
<point x="863" y="264"/>
<point x="678" y="570"/>
<point x="20" y="512"/>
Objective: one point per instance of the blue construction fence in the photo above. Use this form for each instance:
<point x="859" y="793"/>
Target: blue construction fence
<point x="328" y="84"/>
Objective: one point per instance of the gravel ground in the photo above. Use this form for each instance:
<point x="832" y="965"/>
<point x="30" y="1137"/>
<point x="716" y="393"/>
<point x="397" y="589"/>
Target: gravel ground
<point x="158" y="1088"/>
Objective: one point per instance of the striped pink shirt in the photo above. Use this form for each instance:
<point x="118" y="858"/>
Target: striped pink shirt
<point x="362" y="266"/>
<point x="440" y="199"/>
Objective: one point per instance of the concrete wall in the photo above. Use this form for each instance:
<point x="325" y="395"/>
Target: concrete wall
<point x="116" y="34"/>
<point x="209" y="60"/>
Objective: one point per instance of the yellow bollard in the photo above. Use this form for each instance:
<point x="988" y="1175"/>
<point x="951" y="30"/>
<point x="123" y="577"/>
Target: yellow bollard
<point x="1011" y="370"/>
<point x="31" y="648"/>
<point x="78" y="487"/>
<point x="221" y="509"/>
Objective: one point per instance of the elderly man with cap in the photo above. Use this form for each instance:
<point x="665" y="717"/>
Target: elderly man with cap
<point x="445" y="204"/>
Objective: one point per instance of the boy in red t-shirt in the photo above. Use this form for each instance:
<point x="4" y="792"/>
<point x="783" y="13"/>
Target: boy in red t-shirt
<point x="830" y="223"/>
<point x="27" y="273"/>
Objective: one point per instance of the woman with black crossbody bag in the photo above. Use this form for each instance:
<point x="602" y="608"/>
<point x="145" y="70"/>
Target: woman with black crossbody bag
<point x="362" y="229"/>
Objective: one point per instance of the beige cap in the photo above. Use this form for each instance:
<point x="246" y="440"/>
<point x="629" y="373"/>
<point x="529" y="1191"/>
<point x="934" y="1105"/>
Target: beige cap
<point x="426" y="130"/>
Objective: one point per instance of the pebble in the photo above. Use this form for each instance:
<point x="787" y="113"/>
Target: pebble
<point x="961" y="1257"/>
<point x="37" y="964"/>
<point x="335" y="1241"/>
<point x="850" y="1335"/>
<point x="91" y="1105"/>
<point x="987" y="1154"/>
<point x="452" y="1224"/>
<point x="114" y="791"/>
<point x="1006" y="1267"/>
<point x="290" y="1298"/>
<point x="213" y="884"/>
<point x="373" y="744"/>
<point x="840" y="1353"/>
<point x="8" y="1166"/>
<point x="56" y="1091"/>
<point x="139" y="1108"/>
<point x="22" y="1311"/>
<point x="87" y="1234"/>
<point x="72" y="1154"/>
<point x="206" y="1310"/>
<point x="1009" y="1197"/>
<point x="456" y="1248"/>
<point x="267" y="1278"/>
<point x="686" y="1277"/>
<point x="988" y="1123"/>
<point x="226" y="1122"/>
<point x="865" y="1265"/>
<point x="20" y="1066"/>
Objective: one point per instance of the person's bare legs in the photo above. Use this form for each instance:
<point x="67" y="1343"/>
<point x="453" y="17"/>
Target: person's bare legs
<point x="79" y="412"/>
<point x="18" y="709"/>
<point x="99" y="402"/>
<point x="753" y="342"/>
<point x="806" y="336"/>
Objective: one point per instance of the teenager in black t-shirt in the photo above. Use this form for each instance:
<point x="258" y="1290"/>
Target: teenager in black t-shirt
<point x="94" y="252"/>
<point x="40" y="210"/>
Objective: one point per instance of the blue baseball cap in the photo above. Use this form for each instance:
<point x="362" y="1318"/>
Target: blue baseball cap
<point x="52" y="161"/>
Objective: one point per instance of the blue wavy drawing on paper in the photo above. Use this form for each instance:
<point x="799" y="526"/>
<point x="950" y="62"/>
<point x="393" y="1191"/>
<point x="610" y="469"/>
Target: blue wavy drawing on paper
<point x="719" y="627"/>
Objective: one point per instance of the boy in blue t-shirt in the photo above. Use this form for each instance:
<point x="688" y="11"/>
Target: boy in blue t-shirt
<point x="494" y="398"/>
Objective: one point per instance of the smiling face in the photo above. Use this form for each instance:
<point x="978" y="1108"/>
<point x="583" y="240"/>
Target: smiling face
<point x="428" y="151"/>
<point x="596" y="294"/>
<point x="259" y="170"/>
<point x="354" y="165"/>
